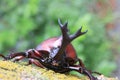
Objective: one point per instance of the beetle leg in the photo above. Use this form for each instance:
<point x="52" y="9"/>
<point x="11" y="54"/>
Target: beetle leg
<point x="94" y="72"/>
<point x="80" y="62"/>
<point x="86" y="72"/>
<point x="83" y="71"/>
<point x="13" y="55"/>
<point x="1" y="55"/>
<point x="33" y="61"/>
<point x="18" y="58"/>
<point x="82" y="65"/>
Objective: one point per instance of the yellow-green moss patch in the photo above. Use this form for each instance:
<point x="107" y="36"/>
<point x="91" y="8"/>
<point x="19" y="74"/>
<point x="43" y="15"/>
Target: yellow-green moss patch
<point x="15" y="71"/>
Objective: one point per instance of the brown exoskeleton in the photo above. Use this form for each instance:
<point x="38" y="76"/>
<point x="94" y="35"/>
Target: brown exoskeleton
<point x="56" y="54"/>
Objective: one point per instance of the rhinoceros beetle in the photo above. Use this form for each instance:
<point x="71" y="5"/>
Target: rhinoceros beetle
<point x="57" y="54"/>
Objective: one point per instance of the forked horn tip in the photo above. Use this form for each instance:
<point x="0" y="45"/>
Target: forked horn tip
<point x="80" y="28"/>
<point x="65" y="24"/>
<point x="86" y="31"/>
<point x="62" y="25"/>
<point x="59" y="22"/>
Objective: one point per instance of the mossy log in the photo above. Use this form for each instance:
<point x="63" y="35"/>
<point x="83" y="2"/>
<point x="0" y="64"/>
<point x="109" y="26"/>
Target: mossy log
<point x="18" y="71"/>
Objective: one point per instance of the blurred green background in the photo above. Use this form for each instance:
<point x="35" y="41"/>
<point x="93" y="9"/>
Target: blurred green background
<point x="26" y="23"/>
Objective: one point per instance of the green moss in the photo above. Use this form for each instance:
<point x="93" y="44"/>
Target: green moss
<point x="15" y="71"/>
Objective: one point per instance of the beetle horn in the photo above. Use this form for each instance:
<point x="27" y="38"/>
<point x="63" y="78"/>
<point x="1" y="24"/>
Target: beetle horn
<point x="66" y="38"/>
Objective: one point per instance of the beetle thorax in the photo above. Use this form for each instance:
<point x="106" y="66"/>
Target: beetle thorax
<point x="55" y="47"/>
